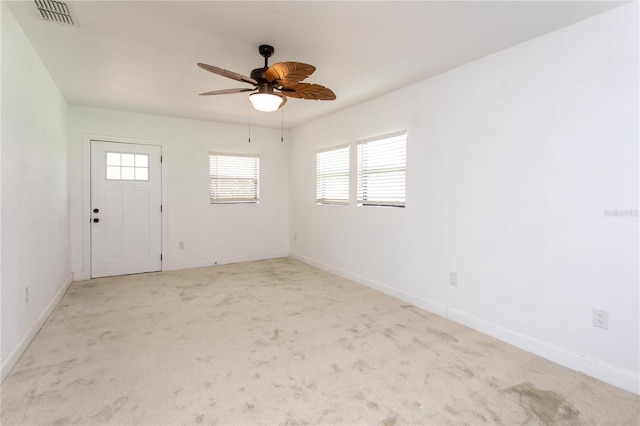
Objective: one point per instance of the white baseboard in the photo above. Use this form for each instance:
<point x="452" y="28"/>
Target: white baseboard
<point x="221" y="261"/>
<point x="608" y="373"/>
<point x="81" y="276"/>
<point x="22" y="345"/>
<point x="426" y="304"/>
<point x="560" y="355"/>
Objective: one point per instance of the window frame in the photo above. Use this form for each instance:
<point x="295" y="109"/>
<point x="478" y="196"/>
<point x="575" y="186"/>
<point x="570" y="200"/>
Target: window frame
<point x="367" y="174"/>
<point x="254" y="198"/>
<point x="334" y="201"/>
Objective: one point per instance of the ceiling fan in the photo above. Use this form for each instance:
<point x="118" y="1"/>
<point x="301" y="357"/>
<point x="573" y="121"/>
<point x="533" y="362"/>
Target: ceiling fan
<point x="273" y="84"/>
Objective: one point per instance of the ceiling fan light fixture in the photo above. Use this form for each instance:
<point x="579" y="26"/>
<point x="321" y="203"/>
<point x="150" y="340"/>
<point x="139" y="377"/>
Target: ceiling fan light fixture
<point x="265" y="102"/>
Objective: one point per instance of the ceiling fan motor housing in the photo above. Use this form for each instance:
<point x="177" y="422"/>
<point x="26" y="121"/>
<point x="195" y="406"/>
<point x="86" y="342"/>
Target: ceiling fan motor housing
<point x="264" y="87"/>
<point x="258" y="75"/>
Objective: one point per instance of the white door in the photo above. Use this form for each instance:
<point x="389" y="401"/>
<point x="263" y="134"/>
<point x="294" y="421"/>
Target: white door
<point x="126" y="208"/>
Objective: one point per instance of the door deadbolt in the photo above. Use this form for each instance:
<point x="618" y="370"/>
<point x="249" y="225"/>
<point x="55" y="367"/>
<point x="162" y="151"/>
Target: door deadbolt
<point x="96" y="211"/>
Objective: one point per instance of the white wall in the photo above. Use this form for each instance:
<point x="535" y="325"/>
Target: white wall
<point x="513" y="161"/>
<point x="35" y="215"/>
<point x="211" y="233"/>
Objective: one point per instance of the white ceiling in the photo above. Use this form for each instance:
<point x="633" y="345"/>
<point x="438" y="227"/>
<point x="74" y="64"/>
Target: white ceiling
<point x="141" y="55"/>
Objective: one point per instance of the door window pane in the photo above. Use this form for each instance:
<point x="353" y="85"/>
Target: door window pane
<point x="113" y="159"/>
<point x="113" y="172"/>
<point x="142" y="173"/>
<point x="142" y="160"/>
<point x="128" y="159"/>
<point x="125" y="166"/>
<point x="128" y="173"/>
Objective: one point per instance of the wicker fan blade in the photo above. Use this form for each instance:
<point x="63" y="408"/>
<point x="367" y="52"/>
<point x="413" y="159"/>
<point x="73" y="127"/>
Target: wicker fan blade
<point x="229" y="74"/>
<point x="309" y="91"/>
<point x="227" y="91"/>
<point x="288" y="73"/>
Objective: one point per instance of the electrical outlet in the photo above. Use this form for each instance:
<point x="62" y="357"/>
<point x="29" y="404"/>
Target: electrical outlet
<point x="453" y="278"/>
<point x="26" y="295"/>
<point x="600" y="319"/>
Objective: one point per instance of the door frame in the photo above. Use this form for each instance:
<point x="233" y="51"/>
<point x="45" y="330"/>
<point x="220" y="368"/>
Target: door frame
<point x="85" y="274"/>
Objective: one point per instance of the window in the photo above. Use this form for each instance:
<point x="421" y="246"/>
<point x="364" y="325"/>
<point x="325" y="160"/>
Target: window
<point x="332" y="176"/>
<point x="124" y="166"/>
<point x="233" y="178"/>
<point x="382" y="164"/>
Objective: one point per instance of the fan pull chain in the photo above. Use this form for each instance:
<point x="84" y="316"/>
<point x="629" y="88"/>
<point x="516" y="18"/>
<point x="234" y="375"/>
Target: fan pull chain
<point x="282" y="125"/>
<point x="249" y="124"/>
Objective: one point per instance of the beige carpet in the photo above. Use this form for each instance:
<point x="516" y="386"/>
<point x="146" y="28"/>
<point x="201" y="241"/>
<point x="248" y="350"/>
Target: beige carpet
<point x="279" y="342"/>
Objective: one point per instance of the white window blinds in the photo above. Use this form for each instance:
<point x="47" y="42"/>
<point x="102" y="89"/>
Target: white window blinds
<point x="233" y="178"/>
<point x="382" y="164"/>
<point x="332" y="176"/>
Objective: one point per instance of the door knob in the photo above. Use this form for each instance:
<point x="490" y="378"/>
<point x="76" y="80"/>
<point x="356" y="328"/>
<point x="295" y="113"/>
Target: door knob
<point x="96" y="220"/>
<point x="96" y="211"/>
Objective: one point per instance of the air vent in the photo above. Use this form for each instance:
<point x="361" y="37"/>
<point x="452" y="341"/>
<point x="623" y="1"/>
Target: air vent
<point x="55" y="11"/>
